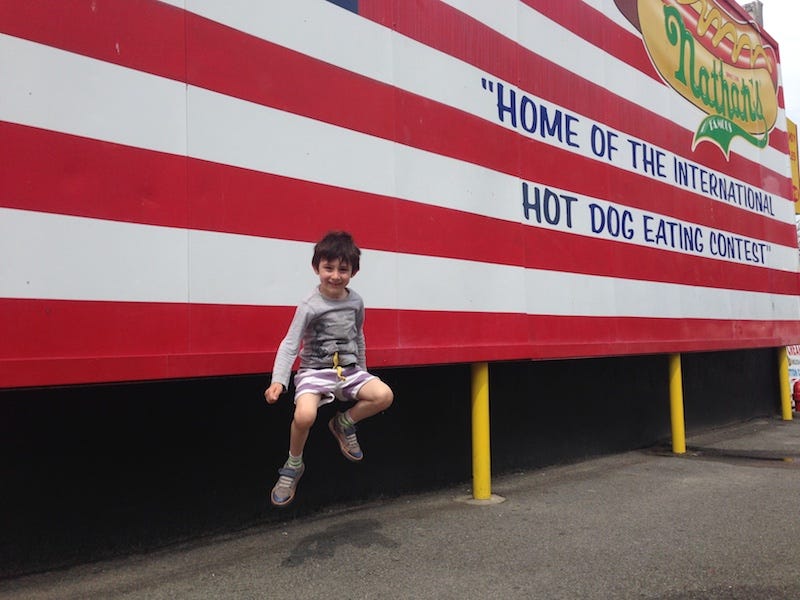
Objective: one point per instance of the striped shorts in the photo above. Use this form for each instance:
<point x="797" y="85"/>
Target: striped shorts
<point x="328" y="385"/>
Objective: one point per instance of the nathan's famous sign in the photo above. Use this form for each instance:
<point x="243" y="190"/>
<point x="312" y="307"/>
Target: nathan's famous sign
<point x="718" y="63"/>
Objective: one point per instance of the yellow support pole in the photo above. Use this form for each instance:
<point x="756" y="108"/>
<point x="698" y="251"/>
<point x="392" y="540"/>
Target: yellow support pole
<point x="676" y="405"/>
<point x="783" y="378"/>
<point x="481" y="457"/>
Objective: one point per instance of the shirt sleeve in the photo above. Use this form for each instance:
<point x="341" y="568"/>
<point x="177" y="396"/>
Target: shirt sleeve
<point x="290" y="346"/>
<point x="361" y="343"/>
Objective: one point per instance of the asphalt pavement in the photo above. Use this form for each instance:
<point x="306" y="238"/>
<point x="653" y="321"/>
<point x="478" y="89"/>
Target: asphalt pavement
<point x="720" y="522"/>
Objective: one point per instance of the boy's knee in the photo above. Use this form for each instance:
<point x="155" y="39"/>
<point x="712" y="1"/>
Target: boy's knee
<point x="303" y="421"/>
<point x="304" y="416"/>
<point x="385" y="396"/>
<point x="377" y="394"/>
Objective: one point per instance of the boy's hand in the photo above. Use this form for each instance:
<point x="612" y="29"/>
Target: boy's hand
<point x="273" y="392"/>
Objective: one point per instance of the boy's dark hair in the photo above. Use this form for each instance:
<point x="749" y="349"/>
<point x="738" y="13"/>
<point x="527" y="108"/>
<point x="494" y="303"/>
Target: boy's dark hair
<point x="337" y="244"/>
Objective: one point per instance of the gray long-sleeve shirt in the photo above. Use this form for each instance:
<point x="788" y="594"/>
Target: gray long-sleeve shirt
<point x="320" y="328"/>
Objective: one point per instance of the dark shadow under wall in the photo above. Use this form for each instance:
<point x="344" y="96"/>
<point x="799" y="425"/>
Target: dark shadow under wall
<point x="550" y="412"/>
<point x="729" y="387"/>
<point x="96" y="471"/>
<point x="92" y="472"/>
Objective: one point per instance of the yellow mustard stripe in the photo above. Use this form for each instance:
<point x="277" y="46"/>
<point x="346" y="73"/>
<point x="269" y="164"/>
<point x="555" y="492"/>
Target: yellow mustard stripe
<point x="337" y="367"/>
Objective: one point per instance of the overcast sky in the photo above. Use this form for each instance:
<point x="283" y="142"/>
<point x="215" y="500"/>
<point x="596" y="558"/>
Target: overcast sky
<point x="782" y="22"/>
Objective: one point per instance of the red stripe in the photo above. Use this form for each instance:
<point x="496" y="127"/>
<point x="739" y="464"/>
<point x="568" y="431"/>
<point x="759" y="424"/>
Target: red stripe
<point x="141" y="34"/>
<point x="627" y="335"/>
<point x="101" y="341"/>
<point x="558" y="251"/>
<point x="593" y="26"/>
<point x="68" y="329"/>
<point x="91" y="178"/>
<point x="80" y="177"/>
<point x="212" y="64"/>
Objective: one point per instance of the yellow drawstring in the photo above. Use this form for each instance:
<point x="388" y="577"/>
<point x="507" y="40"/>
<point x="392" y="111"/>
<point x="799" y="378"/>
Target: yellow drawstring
<point x="337" y="367"/>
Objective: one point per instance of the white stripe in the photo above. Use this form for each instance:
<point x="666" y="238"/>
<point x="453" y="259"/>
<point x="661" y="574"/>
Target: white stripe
<point x="90" y="259"/>
<point x="57" y="256"/>
<point x="240" y="269"/>
<point x="61" y="91"/>
<point x="596" y="218"/>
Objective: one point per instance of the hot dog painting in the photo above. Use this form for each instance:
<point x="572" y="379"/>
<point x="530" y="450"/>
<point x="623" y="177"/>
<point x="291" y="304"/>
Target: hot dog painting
<point x="714" y="60"/>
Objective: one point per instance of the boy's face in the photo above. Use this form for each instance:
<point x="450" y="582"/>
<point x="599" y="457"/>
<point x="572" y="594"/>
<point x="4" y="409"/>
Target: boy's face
<point x="334" y="276"/>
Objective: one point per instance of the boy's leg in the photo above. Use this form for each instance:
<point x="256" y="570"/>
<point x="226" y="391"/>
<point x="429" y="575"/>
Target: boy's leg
<point x="305" y="413"/>
<point x="373" y="397"/>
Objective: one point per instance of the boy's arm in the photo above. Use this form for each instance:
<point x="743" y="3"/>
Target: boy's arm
<point x="287" y="353"/>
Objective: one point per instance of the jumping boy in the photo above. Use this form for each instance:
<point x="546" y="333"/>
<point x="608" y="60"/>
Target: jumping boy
<point x="327" y="331"/>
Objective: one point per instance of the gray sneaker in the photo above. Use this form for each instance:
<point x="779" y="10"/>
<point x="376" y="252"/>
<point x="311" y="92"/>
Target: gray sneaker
<point x="348" y="442"/>
<point x="283" y="492"/>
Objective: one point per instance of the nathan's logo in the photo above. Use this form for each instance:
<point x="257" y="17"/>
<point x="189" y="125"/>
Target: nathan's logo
<point x="717" y="63"/>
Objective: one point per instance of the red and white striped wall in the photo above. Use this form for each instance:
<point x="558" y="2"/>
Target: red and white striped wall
<point x="167" y="166"/>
